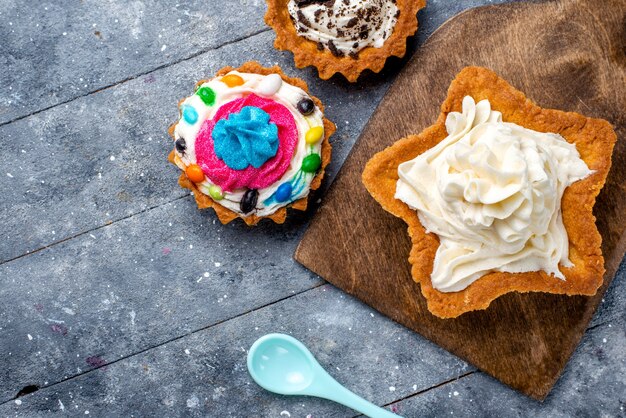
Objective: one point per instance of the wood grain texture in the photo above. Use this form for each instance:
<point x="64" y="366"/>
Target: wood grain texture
<point x="567" y="55"/>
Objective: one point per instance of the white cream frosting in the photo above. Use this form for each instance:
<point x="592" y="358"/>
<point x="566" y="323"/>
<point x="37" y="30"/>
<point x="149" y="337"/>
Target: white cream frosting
<point x="350" y="25"/>
<point x="287" y="95"/>
<point x="492" y="191"/>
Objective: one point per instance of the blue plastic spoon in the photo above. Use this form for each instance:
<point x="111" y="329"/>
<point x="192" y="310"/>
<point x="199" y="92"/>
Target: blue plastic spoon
<point x="281" y="364"/>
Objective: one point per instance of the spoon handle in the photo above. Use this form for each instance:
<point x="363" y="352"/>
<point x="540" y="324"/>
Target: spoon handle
<point x="329" y="388"/>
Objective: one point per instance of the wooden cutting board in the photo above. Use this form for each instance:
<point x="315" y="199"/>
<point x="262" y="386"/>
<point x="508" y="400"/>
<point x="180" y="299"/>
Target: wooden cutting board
<point x="567" y="55"/>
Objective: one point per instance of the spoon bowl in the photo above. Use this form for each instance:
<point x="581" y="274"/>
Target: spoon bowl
<point x="281" y="364"/>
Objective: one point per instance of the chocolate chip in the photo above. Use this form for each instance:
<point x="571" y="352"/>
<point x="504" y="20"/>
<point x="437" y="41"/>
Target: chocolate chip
<point x="181" y="145"/>
<point x="302" y="19"/>
<point x="352" y="22"/>
<point x="333" y="49"/>
<point x="302" y="3"/>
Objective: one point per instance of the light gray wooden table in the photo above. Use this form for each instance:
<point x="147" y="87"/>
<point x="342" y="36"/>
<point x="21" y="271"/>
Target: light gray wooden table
<point x="119" y="298"/>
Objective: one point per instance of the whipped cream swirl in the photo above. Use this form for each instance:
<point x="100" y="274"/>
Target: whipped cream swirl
<point x="344" y="26"/>
<point x="492" y="193"/>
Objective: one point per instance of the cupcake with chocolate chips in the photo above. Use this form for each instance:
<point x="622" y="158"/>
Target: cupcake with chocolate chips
<point x="343" y="36"/>
<point x="250" y="143"/>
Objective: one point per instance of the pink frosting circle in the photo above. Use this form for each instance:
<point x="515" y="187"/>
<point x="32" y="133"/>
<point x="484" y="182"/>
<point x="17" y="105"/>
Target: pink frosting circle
<point x="253" y="178"/>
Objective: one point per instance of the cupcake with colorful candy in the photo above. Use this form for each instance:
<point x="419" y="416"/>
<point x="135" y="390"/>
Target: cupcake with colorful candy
<point x="250" y="143"/>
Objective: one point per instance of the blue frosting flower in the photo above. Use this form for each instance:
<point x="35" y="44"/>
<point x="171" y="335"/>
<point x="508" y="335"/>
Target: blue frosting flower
<point x="245" y="138"/>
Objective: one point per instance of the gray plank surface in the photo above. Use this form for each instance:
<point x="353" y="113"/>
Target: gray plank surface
<point x="102" y="157"/>
<point x="99" y="294"/>
<point x="54" y="51"/>
<point x="138" y="283"/>
<point x="370" y="354"/>
<point x="390" y="362"/>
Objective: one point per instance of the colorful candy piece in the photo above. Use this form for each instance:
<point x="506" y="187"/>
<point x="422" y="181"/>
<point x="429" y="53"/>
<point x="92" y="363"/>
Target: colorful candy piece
<point x="306" y="106"/>
<point x="283" y="193"/>
<point x="195" y="174"/>
<point x="207" y="95"/>
<point x="181" y="145"/>
<point x="311" y="163"/>
<point x="190" y="115"/>
<point x="314" y="134"/>
<point x="269" y="85"/>
<point x="216" y="192"/>
<point x="249" y="200"/>
<point x="232" y="80"/>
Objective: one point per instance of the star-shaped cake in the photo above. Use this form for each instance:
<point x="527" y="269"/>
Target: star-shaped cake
<point x="481" y="193"/>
